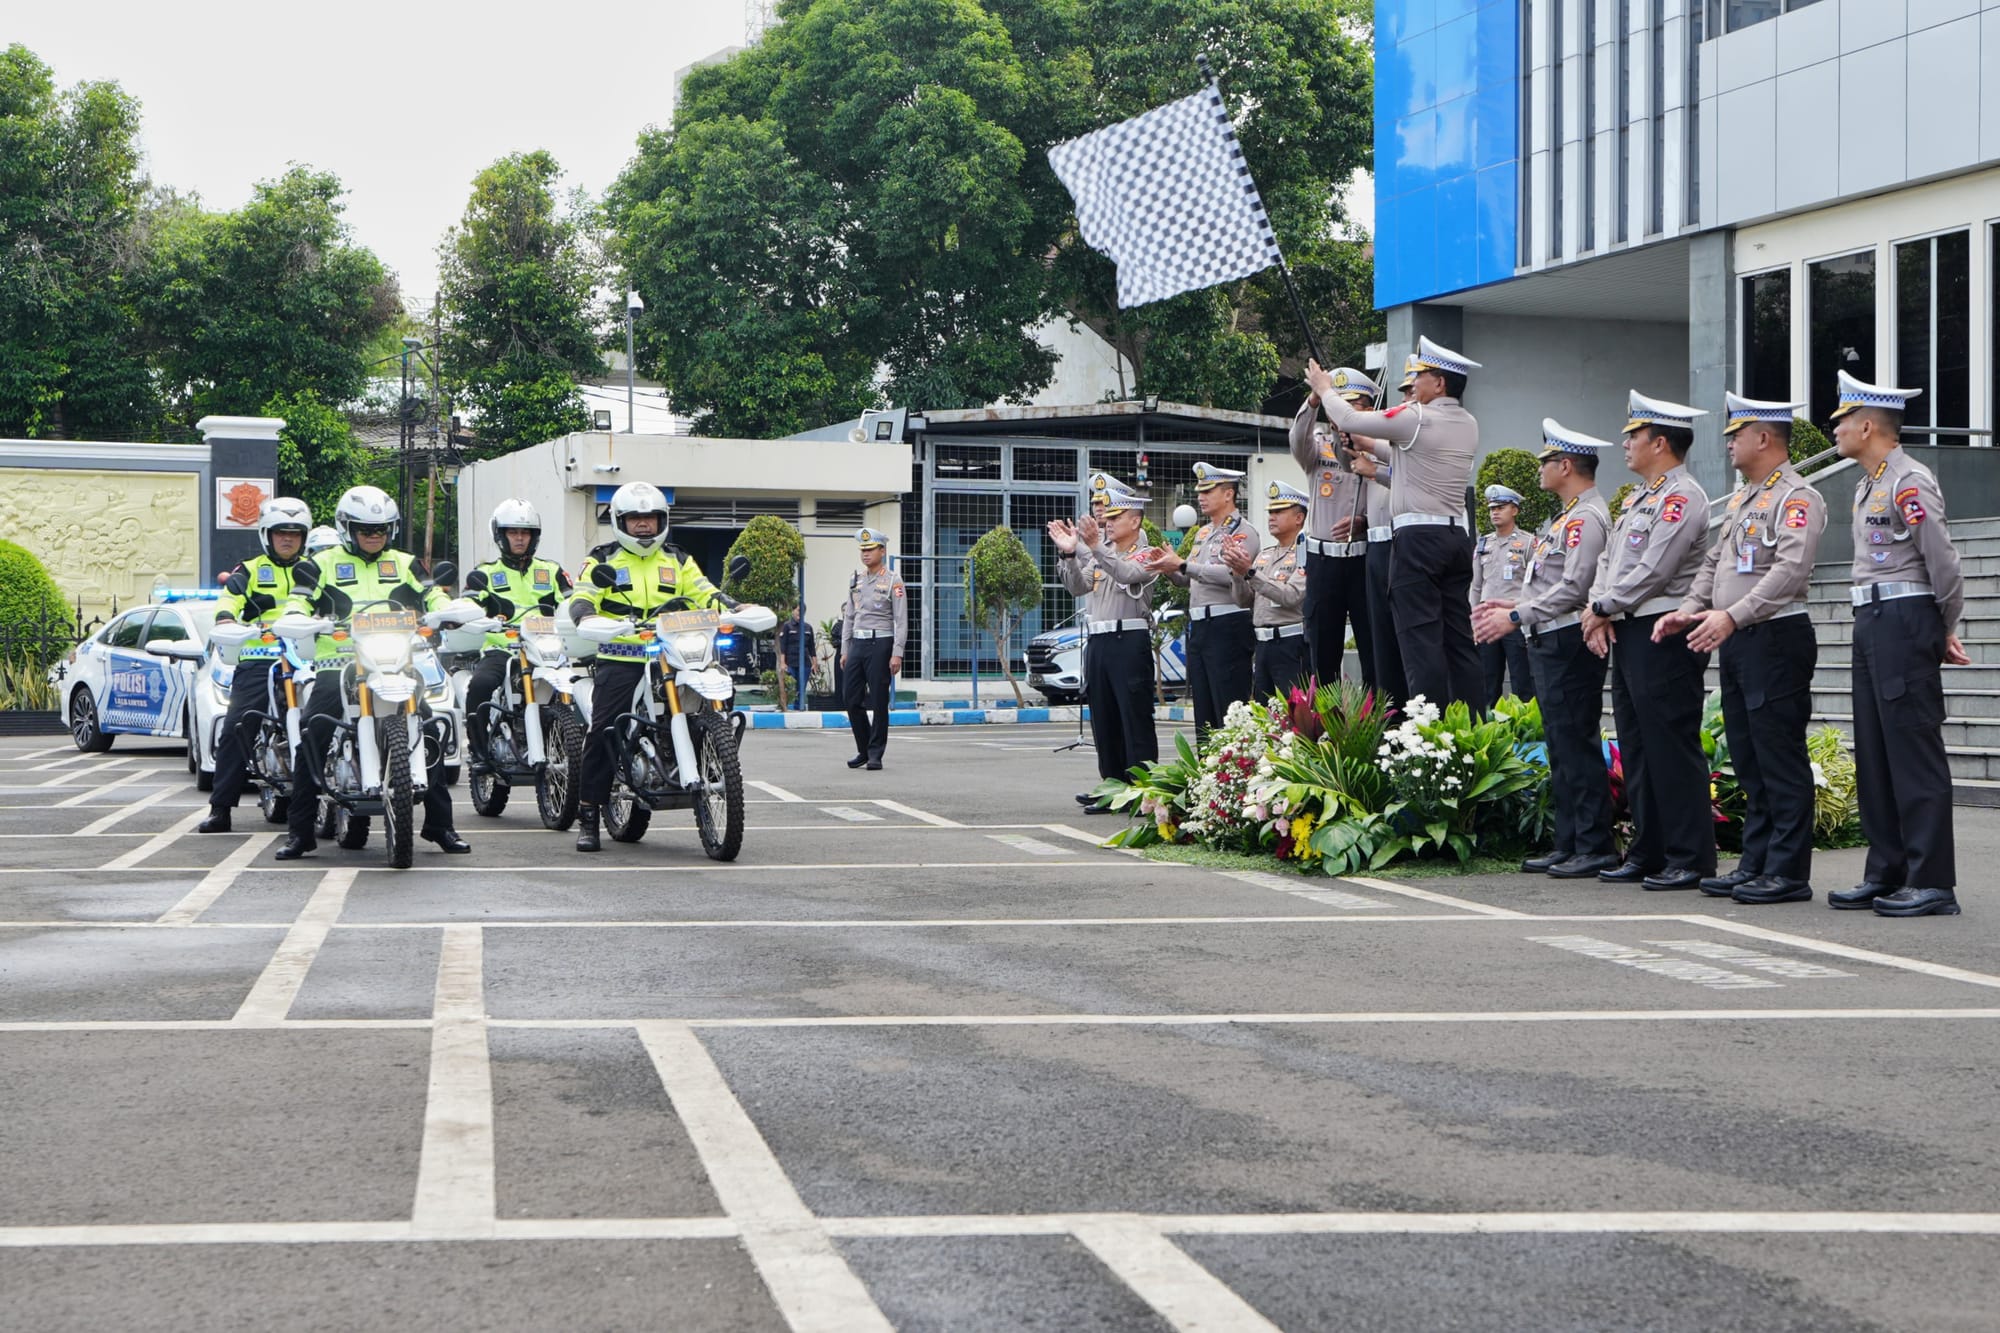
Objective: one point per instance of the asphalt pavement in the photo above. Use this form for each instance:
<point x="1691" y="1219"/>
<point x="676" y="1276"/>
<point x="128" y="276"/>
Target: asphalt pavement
<point x="929" y="1057"/>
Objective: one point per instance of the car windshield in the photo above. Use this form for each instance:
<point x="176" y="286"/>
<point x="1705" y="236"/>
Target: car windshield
<point x="177" y="621"/>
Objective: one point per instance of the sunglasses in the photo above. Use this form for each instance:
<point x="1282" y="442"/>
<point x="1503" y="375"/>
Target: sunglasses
<point x="369" y="529"/>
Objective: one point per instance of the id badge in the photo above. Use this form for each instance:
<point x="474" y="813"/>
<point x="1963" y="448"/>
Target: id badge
<point x="1746" y="558"/>
<point x="1507" y="574"/>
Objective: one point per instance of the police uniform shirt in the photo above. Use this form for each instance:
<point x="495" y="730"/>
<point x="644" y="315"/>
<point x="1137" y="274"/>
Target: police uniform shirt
<point x="875" y="602"/>
<point x="1498" y="564"/>
<point x="1113" y="584"/>
<point x="1762" y="558"/>
<point x="1432" y="448"/>
<point x="1657" y="547"/>
<point x="1210" y="582"/>
<point x="1563" y="561"/>
<point x="255" y="593"/>
<point x="1332" y="491"/>
<point x="1275" y="587"/>
<point x="1899" y="533"/>
<point x="1378" y="505"/>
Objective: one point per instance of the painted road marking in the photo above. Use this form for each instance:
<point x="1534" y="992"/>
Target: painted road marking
<point x="1680" y="969"/>
<point x="278" y="985"/>
<point x="158" y="842"/>
<point x="1021" y="842"/>
<point x="1442" y="899"/>
<point x="850" y="814"/>
<point x="1302" y="888"/>
<point x="75" y="779"/>
<point x="771" y="789"/>
<point x="1162" y="1274"/>
<point x="925" y="816"/>
<point x="455" y="1193"/>
<point x="808" y="1279"/>
<point x="97" y="826"/>
<point x="127" y="779"/>
<point x="1750" y="960"/>
<point x="1848" y="951"/>
<point x="217" y="881"/>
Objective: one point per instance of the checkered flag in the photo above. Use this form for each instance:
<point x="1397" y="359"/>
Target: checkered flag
<point x="1167" y="197"/>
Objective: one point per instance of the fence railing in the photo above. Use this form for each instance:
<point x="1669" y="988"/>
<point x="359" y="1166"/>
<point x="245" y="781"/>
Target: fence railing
<point x="26" y="652"/>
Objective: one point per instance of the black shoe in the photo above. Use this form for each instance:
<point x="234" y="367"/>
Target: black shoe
<point x="857" y="761"/>
<point x="874" y="765"/>
<point x="1627" y="872"/>
<point x="1721" y="886"/>
<point x="1918" y="902"/>
<point x="1095" y="809"/>
<point x="449" y="840"/>
<point x="1768" y="889"/>
<point x="295" y="847"/>
<point x="217" y="822"/>
<point x="1859" y="898"/>
<point x="1538" y="865"/>
<point x="1085" y="798"/>
<point x="586" y="829"/>
<point x="1585" y="865"/>
<point x="1671" y="879"/>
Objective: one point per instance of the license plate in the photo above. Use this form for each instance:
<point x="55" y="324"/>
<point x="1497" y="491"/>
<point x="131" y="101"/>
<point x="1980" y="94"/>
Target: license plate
<point x="677" y="622"/>
<point x="538" y="624"/>
<point x="385" y="622"/>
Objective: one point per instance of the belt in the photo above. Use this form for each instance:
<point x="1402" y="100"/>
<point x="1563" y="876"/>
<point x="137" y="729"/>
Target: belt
<point x="1115" y="626"/>
<point x="1887" y="592"/>
<point x="873" y="633"/>
<point x="1401" y="521"/>
<point x="1269" y="632"/>
<point x="1381" y="534"/>
<point x="1551" y="626"/>
<point x="1652" y="606"/>
<point x="1795" y="609"/>
<point x="1335" y="550"/>
<point x="1217" y="609"/>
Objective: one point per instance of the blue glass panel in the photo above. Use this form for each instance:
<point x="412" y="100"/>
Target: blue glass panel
<point x="1415" y="153"/>
<point x="1499" y="214"/>
<point x="1388" y="244"/>
<point x="1416" y="243"/>
<point x="1456" y="58"/>
<point x="1418" y="58"/>
<point x="1496" y="126"/>
<point x="1451" y="144"/>
<point x="1388" y="180"/>
<point x="1498" y="44"/>
<point x="1447" y="10"/>
<point x="1405" y="18"/>
<point x="1457" y="234"/>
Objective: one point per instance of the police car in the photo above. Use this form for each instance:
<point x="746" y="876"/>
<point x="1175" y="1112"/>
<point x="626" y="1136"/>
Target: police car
<point x="137" y="676"/>
<point x="1055" y="661"/>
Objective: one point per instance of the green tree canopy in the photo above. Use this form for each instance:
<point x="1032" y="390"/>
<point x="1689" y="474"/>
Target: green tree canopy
<point x="34" y="618"/>
<point x="775" y="550"/>
<point x="318" y="456"/>
<point x="1517" y="470"/>
<point x="1003" y="587"/>
<point x="520" y="325"/>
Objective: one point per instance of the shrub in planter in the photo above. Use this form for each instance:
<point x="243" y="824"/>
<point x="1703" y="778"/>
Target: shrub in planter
<point x="35" y="622"/>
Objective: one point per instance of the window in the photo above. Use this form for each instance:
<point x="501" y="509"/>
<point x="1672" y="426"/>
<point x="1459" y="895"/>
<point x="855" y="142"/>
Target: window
<point x="167" y="625"/>
<point x="1044" y="464"/>
<point x="1622" y="184"/>
<point x="967" y="462"/>
<point x="1657" y="210"/>
<point x="1590" y="125"/>
<point x="1558" y="131"/>
<point x="1691" y="100"/>
<point x="840" y="514"/>
<point x="1525" y="223"/>
<point x="1933" y="332"/>
<point x="1767" y="336"/>
<point x="124" y="632"/>
<point x="1840" y="310"/>
<point x="1736" y="15"/>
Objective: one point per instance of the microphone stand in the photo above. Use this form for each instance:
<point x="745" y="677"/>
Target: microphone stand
<point x="1083" y="671"/>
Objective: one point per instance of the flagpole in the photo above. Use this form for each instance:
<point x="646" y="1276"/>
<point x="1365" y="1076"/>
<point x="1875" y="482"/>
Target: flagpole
<point x="1284" y="269"/>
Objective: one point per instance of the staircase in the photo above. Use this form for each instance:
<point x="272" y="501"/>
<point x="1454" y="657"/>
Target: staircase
<point x="1971" y="693"/>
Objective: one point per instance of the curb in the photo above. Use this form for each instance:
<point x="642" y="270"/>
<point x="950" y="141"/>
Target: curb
<point x="945" y="717"/>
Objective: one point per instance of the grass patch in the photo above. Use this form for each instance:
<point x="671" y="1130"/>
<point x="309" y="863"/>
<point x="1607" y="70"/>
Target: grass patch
<point x="1209" y="859"/>
<point x="1478" y="865"/>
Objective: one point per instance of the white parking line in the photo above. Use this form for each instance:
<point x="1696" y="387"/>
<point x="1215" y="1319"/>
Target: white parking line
<point x="157" y="843"/>
<point x="455" y="1192"/>
<point x="770" y="789"/>
<point x="1848" y="951"/>
<point x="278" y="985"/>
<point x="850" y="814"/>
<point x="76" y="758"/>
<point x="1033" y="846"/>
<point x="134" y="776"/>
<point x="217" y="881"/>
<point x="925" y="816"/>
<point x="77" y="779"/>
<point x="122" y="813"/>
<point x="26" y="755"/>
<point x="808" y="1279"/>
<point x="1308" y="889"/>
<point x="655" y="868"/>
<point x="1425" y="895"/>
<point x="1161" y="1273"/>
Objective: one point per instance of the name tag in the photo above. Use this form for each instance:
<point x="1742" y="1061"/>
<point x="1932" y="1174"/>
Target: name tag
<point x="1746" y="558"/>
<point x="1507" y="574"/>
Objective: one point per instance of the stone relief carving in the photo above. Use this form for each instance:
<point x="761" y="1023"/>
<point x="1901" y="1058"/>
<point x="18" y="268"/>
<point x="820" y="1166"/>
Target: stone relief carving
<point x="105" y="536"/>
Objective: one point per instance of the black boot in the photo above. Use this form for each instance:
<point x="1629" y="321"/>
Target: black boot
<point x="217" y="821"/>
<point x="296" y="846"/>
<point x="586" y="829"/>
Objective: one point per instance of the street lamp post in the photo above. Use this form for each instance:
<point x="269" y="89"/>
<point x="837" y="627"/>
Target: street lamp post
<point x="633" y="305"/>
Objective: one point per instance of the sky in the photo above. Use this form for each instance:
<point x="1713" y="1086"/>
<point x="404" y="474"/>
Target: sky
<point x="405" y="102"/>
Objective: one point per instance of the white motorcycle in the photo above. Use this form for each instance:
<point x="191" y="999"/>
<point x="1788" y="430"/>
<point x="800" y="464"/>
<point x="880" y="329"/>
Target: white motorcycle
<point x="375" y="752"/>
<point x="269" y="736"/>
<point x="535" y="722"/>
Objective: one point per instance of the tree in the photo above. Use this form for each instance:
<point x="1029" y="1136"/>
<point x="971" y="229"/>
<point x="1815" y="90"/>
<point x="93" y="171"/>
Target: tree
<point x="775" y="551"/>
<point x="1517" y="470"/>
<point x="72" y="243"/>
<point x="1807" y="440"/>
<point x="35" y="622"/>
<point x="1002" y="587"/>
<point x="516" y="275"/>
<point x="318" y="456"/>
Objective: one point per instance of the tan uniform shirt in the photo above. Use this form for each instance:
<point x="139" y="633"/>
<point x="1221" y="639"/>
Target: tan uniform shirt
<point x="875" y="602"/>
<point x="1433" y="446"/>
<point x="1656" y="549"/>
<point x="1563" y="563"/>
<point x="1899" y="533"/>
<point x="1209" y="582"/>
<point x="1333" y="492"/>
<point x="1498" y="564"/>
<point x="1378" y="507"/>
<point x="1112" y="584"/>
<point x="1762" y="558"/>
<point x="1275" y="587"/>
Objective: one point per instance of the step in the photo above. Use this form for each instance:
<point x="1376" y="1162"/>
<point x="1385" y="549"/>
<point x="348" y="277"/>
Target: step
<point x="1985" y="632"/>
<point x="1981" y="676"/>
<point x="1960" y="733"/>
<point x="1975" y="791"/>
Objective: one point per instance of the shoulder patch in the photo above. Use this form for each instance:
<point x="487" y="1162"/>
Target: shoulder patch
<point x="385" y="569"/>
<point x="1673" y="508"/>
<point x="267" y="577"/>
<point x="1911" y="505"/>
<point x="498" y="578"/>
<point x="1573" y="534"/>
<point x="344" y="571"/>
<point x="543" y="578"/>
<point x="1796" y="512"/>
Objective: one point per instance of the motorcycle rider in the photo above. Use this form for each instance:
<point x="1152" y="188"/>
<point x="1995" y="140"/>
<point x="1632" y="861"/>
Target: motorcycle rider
<point x="252" y="595"/>
<point x="516" y="585"/>
<point x="321" y="538"/>
<point x="643" y="573"/>
<point x="363" y="568"/>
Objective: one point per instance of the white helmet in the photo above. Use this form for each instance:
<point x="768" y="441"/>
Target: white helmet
<point x="282" y="512"/>
<point x="321" y="538"/>
<point x="516" y="514"/>
<point x="638" y="497"/>
<point x="365" y="505"/>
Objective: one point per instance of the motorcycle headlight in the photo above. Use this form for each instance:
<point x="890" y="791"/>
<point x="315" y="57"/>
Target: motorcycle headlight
<point x="384" y="652"/>
<point x="693" y="649"/>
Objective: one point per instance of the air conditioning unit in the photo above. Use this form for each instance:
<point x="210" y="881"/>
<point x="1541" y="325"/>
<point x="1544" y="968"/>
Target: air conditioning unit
<point x="885" y="427"/>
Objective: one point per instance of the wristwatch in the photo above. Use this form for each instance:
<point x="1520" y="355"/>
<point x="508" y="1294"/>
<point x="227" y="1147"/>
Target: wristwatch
<point x="1513" y="616"/>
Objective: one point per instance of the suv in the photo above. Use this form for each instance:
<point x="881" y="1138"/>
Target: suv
<point x="1055" y="660"/>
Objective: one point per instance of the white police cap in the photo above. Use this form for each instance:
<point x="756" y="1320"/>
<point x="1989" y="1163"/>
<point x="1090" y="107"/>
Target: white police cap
<point x="1430" y="356"/>
<point x="1744" y="411"/>
<point x="1502" y="495"/>
<point x="1119" y="498"/>
<point x="1561" y="440"/>
<point x="1410" y="368"/>
<point x="1207" y="475"/>
<point x="1350" y="384"/>
<point x="867" y="537"/>
<point x="1283" y="495"/>
<point x="1854" y="394"/>
<point x="1642" y="411"/>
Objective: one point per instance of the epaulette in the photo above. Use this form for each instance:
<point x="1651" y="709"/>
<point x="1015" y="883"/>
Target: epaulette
<point x="604" y="552"/>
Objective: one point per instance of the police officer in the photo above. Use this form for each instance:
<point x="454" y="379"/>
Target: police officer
<point x="1431" y="447"/>
<point x="1220" y="645"/>
<point x="1748" y="604"/>
<point x="1498" y="562"/>
<point x="1546" y="608"/>
<point x="365" y="567"/>
<point x="873" y="629"/>
<point x="321" y="538"/>
<point x="1657" y="686"/>
<point x="516" y="585"/>
<point x="253" y="594"/>
<point x="1271" y="583"/>
<point x="1100" y="562"/>
<point x="1908" y="593"/>
<point x="1336" y="540"/>
<point x="1389" y="676"/>
<point x="641" y="574"/>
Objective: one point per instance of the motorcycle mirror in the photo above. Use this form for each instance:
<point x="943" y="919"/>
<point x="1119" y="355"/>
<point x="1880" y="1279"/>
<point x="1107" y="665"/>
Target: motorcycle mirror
<point x="443" y="572"/>
<point x="604" y="576"/>
<point x="739" y="568"/>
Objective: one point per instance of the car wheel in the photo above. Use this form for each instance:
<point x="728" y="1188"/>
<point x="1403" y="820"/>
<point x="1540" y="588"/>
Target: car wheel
<point x="84" y="727"/>
<point x="204" y="779"/>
